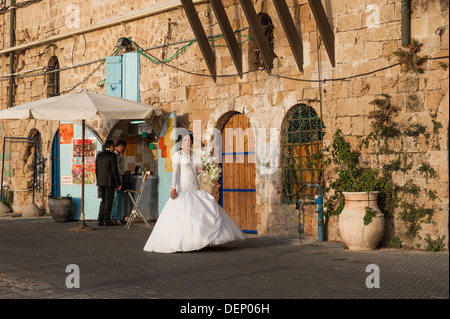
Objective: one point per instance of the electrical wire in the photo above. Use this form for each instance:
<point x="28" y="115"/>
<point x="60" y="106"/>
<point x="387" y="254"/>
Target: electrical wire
<point x="17" y="5"/>
<point x="153" y="58"/>
<point x="6" y="76"/>
<point x="90" y="74"/>
<point x="67" y="91"/>
<point x="21" y="72"/>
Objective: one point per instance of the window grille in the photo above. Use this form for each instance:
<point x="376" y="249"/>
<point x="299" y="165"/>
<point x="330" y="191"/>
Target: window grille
<point x="53" y="77"/>
<point x="302" y="132"/>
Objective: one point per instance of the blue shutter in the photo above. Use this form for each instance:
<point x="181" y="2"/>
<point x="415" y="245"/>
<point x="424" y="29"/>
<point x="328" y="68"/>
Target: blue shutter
<point x="114" y="76"/>
<point x="122" y="76"/>
<point x="131" y="70"/>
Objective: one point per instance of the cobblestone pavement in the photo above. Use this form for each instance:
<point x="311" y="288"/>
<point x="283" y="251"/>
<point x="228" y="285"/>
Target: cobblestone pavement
<point x="36" y="251"/>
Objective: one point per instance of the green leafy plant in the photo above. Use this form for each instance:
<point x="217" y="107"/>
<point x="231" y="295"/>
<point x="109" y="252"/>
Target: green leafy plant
<point x="443" y="65"/>
<point x="432" y="195"/>
<point x="426" y="169"/>
<point x="435" y="245"/>
<point x="396" y="242"/>
<point x="351" y="176"/>
<point x="436" y="126"/>
<point x="409" y="59"/>
<point x="415" y="129"/>
<point x="383" y="123"/>
<point x="370" y="213"/>
<point x="399" y="200"/>
<point x="402" y="200"/>
<point x="8" y="198"/>
<point x="414" y="216"/>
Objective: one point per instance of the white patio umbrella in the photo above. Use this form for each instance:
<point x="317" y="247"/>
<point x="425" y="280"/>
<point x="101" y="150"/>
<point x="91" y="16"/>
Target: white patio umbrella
<point x="82" y="105"/>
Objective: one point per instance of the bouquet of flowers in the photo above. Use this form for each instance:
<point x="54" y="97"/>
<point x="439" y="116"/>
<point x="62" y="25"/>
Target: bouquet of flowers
<point x="211" y="170"/>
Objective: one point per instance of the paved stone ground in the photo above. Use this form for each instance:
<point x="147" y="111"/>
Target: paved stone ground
<point x="34" y="253"/>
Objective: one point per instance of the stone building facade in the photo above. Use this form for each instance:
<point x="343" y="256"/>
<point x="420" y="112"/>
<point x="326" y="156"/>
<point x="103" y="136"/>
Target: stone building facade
<point x="80" y="34"/>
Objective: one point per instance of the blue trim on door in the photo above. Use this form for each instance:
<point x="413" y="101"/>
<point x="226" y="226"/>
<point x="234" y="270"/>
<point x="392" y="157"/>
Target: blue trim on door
<point x="239" y="153"/>
<point x="238" y="190"/>
<point x="221" y="183"/>
<point x="56" y="187"/>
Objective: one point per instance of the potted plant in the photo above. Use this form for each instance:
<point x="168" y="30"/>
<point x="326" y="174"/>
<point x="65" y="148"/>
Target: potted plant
<point x="356" y="189"/>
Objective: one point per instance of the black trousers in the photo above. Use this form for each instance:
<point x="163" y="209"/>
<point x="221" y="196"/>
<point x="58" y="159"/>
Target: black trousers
<point x="107" y="195"/>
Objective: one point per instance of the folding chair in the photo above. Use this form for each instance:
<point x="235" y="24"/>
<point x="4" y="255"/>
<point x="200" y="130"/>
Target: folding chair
<point x="136" y="212"/>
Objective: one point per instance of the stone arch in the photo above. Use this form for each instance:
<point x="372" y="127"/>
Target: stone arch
<point x="53" y="80"/>
<point x="28" y="155"/>
<point x="221" y="121"/>
<point x="227" y="109"/>
<point x="117" y="130"/>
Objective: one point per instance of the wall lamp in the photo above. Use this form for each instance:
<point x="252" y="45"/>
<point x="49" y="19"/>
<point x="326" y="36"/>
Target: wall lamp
<point x="124" y="43"/>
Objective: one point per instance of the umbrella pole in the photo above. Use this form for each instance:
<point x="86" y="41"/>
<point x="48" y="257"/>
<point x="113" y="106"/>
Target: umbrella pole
<point x="83" y="223"/>
<point x="83" y="226"/>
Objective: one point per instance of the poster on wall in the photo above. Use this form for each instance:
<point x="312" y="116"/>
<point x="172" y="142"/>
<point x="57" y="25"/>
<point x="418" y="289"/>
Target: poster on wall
<point x="65" y="133"/>
<point x="90" y="148"/>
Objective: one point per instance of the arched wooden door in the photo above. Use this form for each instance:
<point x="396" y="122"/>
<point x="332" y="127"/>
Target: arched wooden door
<point x="238" y="195"/>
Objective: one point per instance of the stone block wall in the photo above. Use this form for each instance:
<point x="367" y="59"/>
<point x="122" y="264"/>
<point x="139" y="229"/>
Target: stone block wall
<point x="366" y="35"/>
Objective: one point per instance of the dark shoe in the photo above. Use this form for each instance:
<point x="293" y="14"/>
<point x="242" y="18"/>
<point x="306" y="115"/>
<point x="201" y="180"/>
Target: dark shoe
<point x="110" y="224"/>
<point x="100" y="223"/>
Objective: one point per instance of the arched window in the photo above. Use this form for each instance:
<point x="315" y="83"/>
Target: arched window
<point x="37" y="169"/>
<point x="301" y="139"/>
<point x="255" y="60"/>
<point x="53" y="77"/>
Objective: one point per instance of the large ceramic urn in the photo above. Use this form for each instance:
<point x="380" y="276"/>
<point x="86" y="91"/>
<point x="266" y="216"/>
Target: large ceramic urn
<point x="352" y="230"/>
<point x="62" y="209"/>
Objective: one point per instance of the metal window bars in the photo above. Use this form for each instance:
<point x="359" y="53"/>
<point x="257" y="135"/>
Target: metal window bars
<point x="53" y="78"/>
<point x="302" y="132"/>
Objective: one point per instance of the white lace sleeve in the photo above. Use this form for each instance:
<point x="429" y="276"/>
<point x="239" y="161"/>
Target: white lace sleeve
<point x="176" y="171"/>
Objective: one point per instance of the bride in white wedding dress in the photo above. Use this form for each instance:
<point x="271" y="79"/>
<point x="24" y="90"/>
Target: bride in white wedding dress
<point x="191" y="218"/>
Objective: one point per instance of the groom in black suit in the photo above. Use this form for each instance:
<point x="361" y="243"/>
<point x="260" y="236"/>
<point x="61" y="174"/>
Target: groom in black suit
<point x="107" y="179"/>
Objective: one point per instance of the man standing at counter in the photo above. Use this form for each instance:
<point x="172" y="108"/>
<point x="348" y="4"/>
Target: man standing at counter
<point x="108" y="178"/>
<point x="117" y="213"/>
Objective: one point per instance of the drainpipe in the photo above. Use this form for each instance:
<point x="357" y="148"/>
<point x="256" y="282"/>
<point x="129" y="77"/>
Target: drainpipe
<point x="406" y="22"/>
<point x="12" y="40"/>
<point x="318" y="199"/>
<point x="320" y="222"/>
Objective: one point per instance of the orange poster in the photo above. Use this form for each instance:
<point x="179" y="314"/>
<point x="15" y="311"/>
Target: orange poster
<point x="65" y="133"/>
